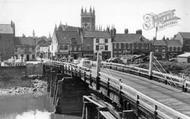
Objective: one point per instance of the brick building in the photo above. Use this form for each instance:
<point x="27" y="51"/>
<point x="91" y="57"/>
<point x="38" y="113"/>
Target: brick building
<point x="184" y="38"/>
<point x="130" y="43"/>
<point x="174" y="48"/>
<point x="7" y="36"/>
<point x="66" y="41"/>
<point x="25" y="48"/>
<point x="159" y="47"/>
<point x="97" y="41"/>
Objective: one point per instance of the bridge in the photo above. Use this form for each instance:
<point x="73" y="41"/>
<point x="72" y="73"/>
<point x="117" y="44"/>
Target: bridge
<point x="123" y="91"/>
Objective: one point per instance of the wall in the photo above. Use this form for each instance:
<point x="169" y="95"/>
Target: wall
<point x="6" y="46"/>
<point x="8" y="73"/>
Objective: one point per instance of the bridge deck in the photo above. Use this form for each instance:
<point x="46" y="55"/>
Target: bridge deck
<point x="164" y="94"/>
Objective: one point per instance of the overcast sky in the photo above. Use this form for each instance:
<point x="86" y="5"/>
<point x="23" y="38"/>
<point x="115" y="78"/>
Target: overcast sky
<point x="42" y="15"/>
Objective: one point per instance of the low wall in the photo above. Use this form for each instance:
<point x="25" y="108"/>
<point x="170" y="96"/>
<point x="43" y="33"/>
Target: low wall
<point x="15" y="72"/>
<point x="19" y="72"/>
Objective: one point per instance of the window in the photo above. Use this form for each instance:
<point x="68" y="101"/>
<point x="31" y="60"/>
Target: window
<point x="79" y="48"/>
<point x="106" y="47"/>
<point x="97" y="40"/>
<point x="97" y="47"/>
<point x="126" y="45"/>
<point x="114" y="46"/>
<point x="119" y="45"/>
<point x="106" y="40"/>
<point x="163" y="49"/>
<point x="179" y="49"/>
<point x="170" y="49"/>
<point x="65" y="47"/>
<point x="174" y="48"/>
<point x="122" y="45"/>
<point x="75" y="48"/>
<point x="156" y="50"/>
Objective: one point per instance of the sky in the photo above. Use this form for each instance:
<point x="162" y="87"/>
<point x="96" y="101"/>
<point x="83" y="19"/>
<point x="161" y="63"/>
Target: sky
<point x="42" y="15"/>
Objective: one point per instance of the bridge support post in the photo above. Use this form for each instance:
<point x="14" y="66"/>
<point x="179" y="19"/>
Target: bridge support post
<point x="91" y="79"/>
<point x="137" y="106"/>
<point x="128" y="114"/>
<point x="108" y="88"/>
<point x="85" y="76"/>
<point x="88" y="110"/>
<point x="120" y="95"/>
<point x="52" y="82"/>
<point x="155" y="112"/>
<point x="97" y="83"/>
<point x="150" y="65"/>
<point x="59" y="77"/>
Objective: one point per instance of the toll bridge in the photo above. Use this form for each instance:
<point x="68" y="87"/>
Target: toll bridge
<point x="115" y="91"/>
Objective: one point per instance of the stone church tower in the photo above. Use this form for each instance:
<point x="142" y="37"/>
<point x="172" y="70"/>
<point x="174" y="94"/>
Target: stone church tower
<point x="88" y="19"/>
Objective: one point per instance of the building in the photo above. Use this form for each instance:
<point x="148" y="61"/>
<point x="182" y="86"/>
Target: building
<point x="7" y="36"/>
<point x="66" y="41"/>
<point x="42" y="47"/>
<point x="88" y="19"/>
<point x="130" y="43"/>
<point x="184" y="58"/>
<point x="184" y="38"/>
<point x="25" y="48"/>
<point x="174" y="48"/>
<point x="98" y="41"/>
<point x="159" y="47"/>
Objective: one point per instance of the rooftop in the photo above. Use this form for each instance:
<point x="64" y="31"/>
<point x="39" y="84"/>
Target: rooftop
<point x="26" y="41"/>
<point x="130" y="38"/>
<point x="66" y="36"/>
<point x="185" y="34"/>
<point x="97" y="34"/>
<point x="173" y="43"/>
<point x="159" y="42"/>
<point x="6" y="29"/>
<point x="187" y="54"/>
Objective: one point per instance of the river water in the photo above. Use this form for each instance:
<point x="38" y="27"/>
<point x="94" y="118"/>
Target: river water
<point x="29" y="107"/>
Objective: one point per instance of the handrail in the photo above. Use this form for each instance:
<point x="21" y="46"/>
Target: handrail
<point x="170" y="78"/>
<point x="141" y="95"/>
<point x="127" y="89"/>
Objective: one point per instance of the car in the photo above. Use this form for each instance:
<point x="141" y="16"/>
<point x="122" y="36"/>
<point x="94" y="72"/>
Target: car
<point x="84" y="62"/>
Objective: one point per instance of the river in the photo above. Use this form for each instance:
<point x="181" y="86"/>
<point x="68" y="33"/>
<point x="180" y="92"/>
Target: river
<point x="29" y="107"/>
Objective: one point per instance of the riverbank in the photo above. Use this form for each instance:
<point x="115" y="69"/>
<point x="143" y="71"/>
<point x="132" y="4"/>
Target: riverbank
<point x="34" y="87"/>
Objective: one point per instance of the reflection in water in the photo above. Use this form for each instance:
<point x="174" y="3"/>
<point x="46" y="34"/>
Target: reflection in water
<point x="28" y="107"/>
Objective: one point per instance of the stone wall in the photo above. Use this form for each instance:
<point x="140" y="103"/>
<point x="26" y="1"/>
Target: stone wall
<point x="8" y="73"/>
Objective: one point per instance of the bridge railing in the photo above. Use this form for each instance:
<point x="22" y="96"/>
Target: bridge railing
<point x="169" y="79"/>
<point x="163" y="111"/>
<point x="146" y="102"/>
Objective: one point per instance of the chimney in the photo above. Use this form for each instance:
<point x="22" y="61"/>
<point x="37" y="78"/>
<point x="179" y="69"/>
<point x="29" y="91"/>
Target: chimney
<point x="126" y="31"/>
<point x="13" y="26"/>
<point x="139" y="31"/>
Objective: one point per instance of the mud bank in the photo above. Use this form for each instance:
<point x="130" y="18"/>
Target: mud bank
<point x="21" y="87"/>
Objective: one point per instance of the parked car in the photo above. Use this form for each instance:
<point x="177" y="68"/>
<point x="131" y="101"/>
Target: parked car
<point x="85" y="63"/>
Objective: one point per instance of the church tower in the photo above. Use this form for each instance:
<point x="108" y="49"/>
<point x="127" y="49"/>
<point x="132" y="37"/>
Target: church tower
<point x="88" y="19"/>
